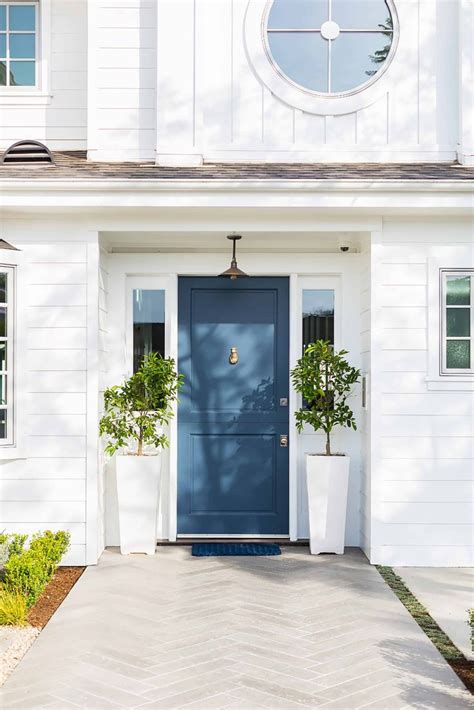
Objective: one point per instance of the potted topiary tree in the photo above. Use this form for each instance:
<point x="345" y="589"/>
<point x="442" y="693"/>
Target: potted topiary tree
<point x="134" y="415"/>
<point x="325" y="380"/>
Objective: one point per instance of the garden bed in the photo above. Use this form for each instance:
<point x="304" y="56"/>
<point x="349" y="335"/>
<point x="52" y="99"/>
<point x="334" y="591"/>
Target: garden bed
<point x="32" y="586"/>
<point x="53" y="596"/>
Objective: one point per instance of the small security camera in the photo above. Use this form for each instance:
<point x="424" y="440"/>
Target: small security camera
<point x="345" y="248"/>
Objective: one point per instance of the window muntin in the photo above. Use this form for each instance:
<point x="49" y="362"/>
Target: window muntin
<point x="18" y="44"/>
<point x="331" y="47"/>
<point x="6" y="354"/>
<point x="148" y="323"/>
<point x="457" y="322"/>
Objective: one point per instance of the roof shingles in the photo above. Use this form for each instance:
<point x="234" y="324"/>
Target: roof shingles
<point x="73" y="165"/>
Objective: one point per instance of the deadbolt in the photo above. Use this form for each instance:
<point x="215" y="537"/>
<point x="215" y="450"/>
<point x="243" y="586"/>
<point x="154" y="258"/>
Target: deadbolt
<point x="283" y="401"/>
<point x="284" y="440"/>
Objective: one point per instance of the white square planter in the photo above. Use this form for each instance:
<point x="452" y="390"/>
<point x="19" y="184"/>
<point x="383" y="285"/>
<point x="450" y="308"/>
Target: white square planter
<point x="327" y="479"/>
<point x="138" y="486"/>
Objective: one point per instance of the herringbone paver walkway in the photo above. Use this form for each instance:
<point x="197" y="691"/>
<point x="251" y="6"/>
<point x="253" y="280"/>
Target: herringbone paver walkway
<point x="278" y="632"/>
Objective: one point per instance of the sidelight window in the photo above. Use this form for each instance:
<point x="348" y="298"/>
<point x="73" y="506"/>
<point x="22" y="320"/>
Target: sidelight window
<point x="318" y="315"/>
<point x="457" y="322"/>
<point x="148" y="323"/>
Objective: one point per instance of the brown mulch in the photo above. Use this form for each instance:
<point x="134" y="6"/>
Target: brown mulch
<point x="464" y="669"/>
<point x="55" y="593"/>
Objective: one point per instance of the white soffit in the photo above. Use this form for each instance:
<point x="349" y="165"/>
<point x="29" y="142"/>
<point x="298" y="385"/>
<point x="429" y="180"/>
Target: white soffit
<point x="276" y="242"/>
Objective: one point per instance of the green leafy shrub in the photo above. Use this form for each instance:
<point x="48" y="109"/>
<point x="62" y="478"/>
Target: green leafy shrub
<point x="51" y="546"/>
<point x="16" y="543"/>
<point x="136" y="410"/>
<point x="11" y="544"/>
<point x="325" y="379"/>
<point x="29" y="571"/>
<point x="13" y="609"/>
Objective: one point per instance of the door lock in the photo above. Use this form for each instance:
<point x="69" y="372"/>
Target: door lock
<point x="284" y="441"/>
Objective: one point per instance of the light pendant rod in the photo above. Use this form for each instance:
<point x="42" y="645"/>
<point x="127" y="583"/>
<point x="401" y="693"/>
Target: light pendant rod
<point x="234" y="272"/>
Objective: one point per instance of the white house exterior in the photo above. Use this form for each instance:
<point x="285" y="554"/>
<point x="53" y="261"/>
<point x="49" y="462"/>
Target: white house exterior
<point x="173" y="123"/>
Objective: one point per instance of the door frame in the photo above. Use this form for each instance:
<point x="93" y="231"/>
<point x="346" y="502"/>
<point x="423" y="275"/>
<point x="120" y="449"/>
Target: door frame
<point x="162" y="271"/>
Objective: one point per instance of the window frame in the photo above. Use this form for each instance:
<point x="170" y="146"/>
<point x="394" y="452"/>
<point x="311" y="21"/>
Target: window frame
<point x="331" y="94"/>
<point x="444" y="371"/>
<point x="18" y="3"/>
<point x="37" y="95"/>
<point x="10" y="340"/>
<point x="309" y="101"/>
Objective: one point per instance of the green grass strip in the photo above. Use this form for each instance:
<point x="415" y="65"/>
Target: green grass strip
<point x="423" y="618"/>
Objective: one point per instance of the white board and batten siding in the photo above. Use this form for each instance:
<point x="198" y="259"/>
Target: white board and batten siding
<point x="213" y="102"/>
<point x="422" y="437"/>
<point x="47" y="488"/>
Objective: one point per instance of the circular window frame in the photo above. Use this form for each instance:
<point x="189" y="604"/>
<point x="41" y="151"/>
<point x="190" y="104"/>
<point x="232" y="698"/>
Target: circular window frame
<point x="298" y="96"/>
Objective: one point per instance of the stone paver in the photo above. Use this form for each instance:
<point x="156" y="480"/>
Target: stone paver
<point x="175" y="631"/>
<point x="447" y="593"/>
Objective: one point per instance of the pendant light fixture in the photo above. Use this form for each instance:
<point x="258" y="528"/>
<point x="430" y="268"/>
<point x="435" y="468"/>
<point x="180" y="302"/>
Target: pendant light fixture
<point x="233" y="272"/>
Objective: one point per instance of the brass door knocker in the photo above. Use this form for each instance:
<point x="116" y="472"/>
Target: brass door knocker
<point x="234" y="356"/>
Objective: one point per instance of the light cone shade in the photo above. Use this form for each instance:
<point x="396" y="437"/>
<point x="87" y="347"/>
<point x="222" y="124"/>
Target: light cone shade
<point x="234" y="272"/>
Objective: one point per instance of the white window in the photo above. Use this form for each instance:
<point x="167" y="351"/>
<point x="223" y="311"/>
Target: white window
<point x="330" y="47"/>
<point x="7" y="339"/>
<point x="457" y="322"/>
<point x="18" y="44"/>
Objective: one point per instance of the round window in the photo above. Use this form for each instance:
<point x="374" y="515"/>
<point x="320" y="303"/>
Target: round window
<point x="330" y="47"/>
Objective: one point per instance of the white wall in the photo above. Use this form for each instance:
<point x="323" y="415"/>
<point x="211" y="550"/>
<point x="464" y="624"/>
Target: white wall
<point x="137" y="79"/>
<point x="122" y="116"/>
<point x="47" y="488"/>
<point x="53" y="483"/>
<point x="211" y="101"/>
<point x="422" y="435"/>
<point x="58" y="117"/>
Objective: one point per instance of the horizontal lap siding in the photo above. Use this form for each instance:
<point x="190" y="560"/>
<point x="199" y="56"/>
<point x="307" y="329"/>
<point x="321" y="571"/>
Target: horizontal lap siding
<point x="424" y="438"/>
<point x="126" y="79"/>
<point x="48" y="488"/>
<point x="61" y="124"/>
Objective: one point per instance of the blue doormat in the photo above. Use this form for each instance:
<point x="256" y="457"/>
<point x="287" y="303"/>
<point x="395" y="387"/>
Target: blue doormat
<point x="234" y="549"/>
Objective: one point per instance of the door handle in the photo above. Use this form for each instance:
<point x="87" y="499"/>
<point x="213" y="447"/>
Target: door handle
<point x="284" y="441"/>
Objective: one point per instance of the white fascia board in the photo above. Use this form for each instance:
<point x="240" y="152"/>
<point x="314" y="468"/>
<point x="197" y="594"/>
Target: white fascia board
<point x="413" y="195"/>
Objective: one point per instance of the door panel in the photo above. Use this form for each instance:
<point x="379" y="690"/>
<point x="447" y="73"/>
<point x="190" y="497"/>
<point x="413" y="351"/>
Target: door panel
<point x="232" y="472"/>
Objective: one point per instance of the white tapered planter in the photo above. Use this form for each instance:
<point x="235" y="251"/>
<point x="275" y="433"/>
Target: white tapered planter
<point x="138" y="487"/>
<point x="327" y="479"/>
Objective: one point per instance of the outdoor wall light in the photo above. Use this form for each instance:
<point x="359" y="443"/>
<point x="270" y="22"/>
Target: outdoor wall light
<point x="233" y="272"/>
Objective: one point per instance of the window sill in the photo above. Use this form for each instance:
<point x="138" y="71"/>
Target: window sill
<point x="24" y="98"/>
<point x="450" y="383"/>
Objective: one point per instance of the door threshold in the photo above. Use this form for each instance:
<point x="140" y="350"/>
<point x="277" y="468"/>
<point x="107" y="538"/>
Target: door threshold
<point x="189" y="540"/>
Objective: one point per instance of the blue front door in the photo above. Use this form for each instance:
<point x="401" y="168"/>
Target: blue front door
<point x="232" y="467"/>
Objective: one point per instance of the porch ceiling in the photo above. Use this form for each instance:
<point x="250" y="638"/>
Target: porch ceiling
<point x="209" y="241"/>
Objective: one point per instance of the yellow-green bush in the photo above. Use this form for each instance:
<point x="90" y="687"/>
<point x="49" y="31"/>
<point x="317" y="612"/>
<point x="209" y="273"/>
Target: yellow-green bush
<point x="13" y="609"/>
<point x="29" y="571"/>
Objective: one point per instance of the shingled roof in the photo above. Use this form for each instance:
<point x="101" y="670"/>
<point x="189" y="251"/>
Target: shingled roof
<point x="73" y="165"/>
